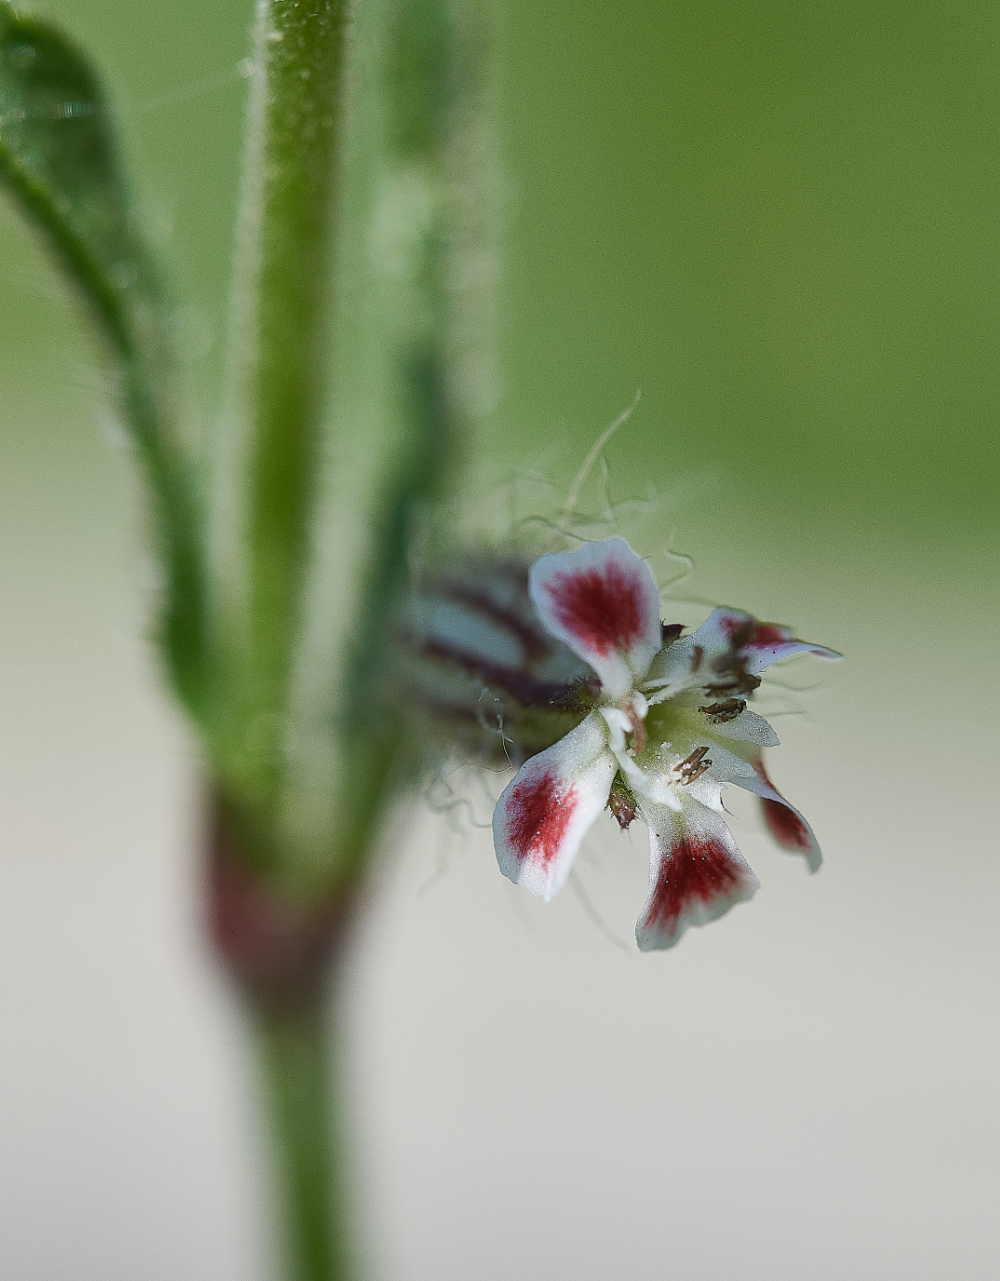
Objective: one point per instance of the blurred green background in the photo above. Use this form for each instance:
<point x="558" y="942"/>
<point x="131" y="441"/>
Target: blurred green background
<point x="779" y="221"/>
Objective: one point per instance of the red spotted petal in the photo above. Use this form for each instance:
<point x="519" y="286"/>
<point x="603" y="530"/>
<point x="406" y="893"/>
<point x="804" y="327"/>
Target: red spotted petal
<point x="545" y="812"/>
<point x="727" y="653"/>
<point x="602" y="601"/>
<point x="784" y="822"/>
<point x="733" y="631"/>
<point x="770" y="643"/>
<point x="696" y="874"/>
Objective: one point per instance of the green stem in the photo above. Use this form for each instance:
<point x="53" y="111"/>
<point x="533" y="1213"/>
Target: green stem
<point x="295" y="1053"/>
<point x="281" y="357"/>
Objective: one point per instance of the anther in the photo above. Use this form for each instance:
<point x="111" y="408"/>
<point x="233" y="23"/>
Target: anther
<point x="719" y="713"/>
<point x="693" y="766"/>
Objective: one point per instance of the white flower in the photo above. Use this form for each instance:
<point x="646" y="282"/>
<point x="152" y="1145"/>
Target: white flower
<point x="671" y="727"/>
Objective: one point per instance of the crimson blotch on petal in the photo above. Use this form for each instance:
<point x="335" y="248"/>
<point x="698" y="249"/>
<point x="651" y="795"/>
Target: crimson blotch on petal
<point x="602" y="601"/>
<point x="696" y="874"/>
<point x="545" y="812"/>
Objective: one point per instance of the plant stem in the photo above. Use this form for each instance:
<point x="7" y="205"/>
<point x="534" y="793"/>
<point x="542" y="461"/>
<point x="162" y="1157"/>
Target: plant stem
<point x="295" y="1052"/>
<point x="283" y="305"/>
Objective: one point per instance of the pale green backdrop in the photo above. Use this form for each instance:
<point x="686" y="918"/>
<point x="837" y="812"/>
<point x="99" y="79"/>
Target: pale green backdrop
<point x="777" y="219"/>
<point x="780" y="221"/>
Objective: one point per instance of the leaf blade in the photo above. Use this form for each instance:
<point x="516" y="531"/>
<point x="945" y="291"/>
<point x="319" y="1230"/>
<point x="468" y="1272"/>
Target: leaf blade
<point x="59" y="158"/>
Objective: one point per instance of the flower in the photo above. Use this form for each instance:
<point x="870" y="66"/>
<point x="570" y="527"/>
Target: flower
<point x="669" y="728"/>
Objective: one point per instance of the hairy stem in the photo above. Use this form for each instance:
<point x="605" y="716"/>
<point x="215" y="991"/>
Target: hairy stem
<point x="283" y="305"/>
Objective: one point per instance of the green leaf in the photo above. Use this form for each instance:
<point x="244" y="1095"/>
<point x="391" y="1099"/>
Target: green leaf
<point x="60" y="159"/>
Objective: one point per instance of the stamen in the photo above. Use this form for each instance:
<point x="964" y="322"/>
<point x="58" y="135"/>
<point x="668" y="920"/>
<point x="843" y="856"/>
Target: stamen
<point x="693" y="766"/>
<point x="741" y="682"/>
<point x="719" y="713"/>
<point x="742" y="635"/>
<point x="732" y="665"/>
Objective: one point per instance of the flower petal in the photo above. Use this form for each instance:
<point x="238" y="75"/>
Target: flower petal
<point x="602" y="601"/>
<point x="747" y="727"/>
<point x="696" y="874"/>
<point x="770" y="643"/>
<point x="545" y="811"/>
<point x="725" y="655"/>
<point x="784" y="822"/>
<point x="786" y="825"/>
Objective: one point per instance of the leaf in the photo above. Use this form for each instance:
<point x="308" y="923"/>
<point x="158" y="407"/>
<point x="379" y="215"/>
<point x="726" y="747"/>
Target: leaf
<point x="59" y="157"/>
